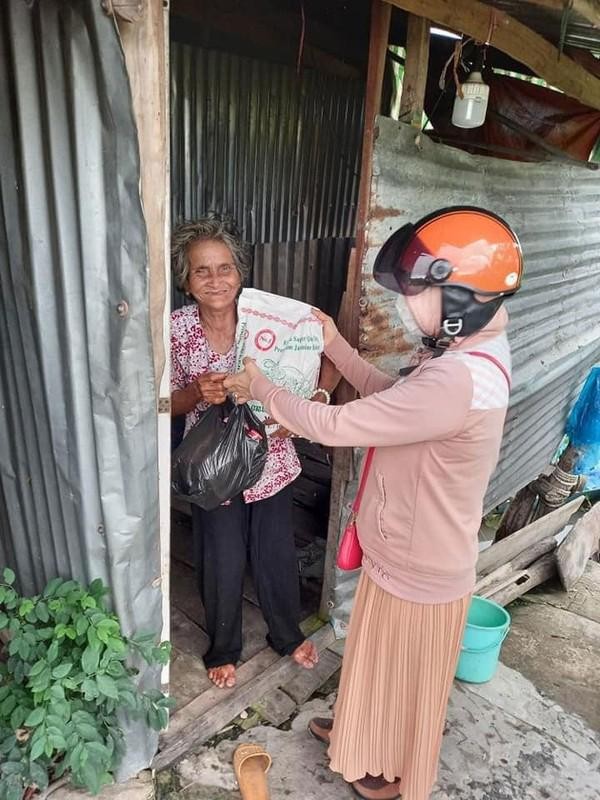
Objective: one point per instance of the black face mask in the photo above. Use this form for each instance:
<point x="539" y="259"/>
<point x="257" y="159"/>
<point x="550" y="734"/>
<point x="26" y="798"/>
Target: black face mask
<point x="463" y="314"/>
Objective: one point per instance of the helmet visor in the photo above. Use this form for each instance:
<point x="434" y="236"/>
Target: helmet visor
<point x="392" y="268"/>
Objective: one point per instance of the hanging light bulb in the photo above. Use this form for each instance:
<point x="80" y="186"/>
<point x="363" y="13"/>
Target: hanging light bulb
<point x="469" y="110"/>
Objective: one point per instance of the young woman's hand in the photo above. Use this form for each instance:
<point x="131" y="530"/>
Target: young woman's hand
<point x="330" y="330"/>
<point x="284" y="433"/>
<point x="238" y="384"/>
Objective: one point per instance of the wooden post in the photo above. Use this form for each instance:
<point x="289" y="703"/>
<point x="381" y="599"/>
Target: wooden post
<point x="415" y="71"/>
<point x="349" y="314"/>
<point x="145" y="45"/>
<point x="378" y="42"/>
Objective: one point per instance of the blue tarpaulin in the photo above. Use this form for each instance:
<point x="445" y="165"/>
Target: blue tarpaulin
<point x="583" y="430"/>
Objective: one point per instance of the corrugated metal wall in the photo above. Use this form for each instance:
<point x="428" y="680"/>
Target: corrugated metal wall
<point x="277" y="151"/>
<point x="78" y="449"/>
<point x="555" y="318"/>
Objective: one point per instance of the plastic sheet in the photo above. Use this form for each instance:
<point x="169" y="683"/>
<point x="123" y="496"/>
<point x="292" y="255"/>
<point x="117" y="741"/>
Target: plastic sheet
<point x="583" y="430"/>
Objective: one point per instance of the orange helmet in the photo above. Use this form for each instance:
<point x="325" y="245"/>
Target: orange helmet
<point x="459" y="246"/>
<point x="467" y="252"/>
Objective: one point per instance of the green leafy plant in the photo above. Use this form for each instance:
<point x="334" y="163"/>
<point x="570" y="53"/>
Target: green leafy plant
<point x="65" y="673"/>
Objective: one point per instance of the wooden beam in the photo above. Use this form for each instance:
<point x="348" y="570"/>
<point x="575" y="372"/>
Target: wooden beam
<point x="416" y="66"/>
<point x="588" y="9"/>
<point x="145" y="44"/>
<point x="378" y="41"/>
<point x="484" y="23"/>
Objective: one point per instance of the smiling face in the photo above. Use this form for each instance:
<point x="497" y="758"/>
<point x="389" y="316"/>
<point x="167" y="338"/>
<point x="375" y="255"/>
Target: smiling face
<point x="213" y="278"/>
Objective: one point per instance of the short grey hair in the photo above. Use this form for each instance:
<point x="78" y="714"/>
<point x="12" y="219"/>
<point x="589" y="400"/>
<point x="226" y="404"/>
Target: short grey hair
<point x="214" y="228"/>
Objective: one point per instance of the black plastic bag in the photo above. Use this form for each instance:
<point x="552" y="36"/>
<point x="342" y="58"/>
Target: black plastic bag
<point x="223" y="454"/>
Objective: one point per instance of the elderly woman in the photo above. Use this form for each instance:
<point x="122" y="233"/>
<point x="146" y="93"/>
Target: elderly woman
<point x="210" y="262"/>
<point x="436" y="433"/>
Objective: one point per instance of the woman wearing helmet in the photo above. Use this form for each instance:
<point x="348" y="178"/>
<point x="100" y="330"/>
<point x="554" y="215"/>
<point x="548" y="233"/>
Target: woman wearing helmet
<point x="436" y="432"/>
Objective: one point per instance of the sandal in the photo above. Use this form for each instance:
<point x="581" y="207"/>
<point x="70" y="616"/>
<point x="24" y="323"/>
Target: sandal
<point x="251" y="763"/>
<point x="371" y="788"/>
<point x="320" y="728"/>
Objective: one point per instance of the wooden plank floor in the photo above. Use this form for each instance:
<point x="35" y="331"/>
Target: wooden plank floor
<point x="266" y="682"/>
<point x="188" y="635"/>
<point x="207" y="714"/>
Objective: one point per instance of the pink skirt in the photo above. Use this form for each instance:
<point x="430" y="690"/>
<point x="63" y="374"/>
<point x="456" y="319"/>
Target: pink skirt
<point x="399" y="664"/>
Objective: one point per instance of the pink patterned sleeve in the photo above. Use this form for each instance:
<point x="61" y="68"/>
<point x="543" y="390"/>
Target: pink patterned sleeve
<point x="178" y="375"/>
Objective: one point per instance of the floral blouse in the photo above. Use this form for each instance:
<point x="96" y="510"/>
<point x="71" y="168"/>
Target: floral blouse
<point x="192" y="356"/>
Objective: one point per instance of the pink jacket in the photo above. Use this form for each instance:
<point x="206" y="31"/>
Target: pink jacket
<point x="437" y="434"/>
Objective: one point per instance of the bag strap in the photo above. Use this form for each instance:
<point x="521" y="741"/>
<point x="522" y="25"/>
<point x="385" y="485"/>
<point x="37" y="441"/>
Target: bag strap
<point x="363" y="480"/>
<point x="493" y="360"/>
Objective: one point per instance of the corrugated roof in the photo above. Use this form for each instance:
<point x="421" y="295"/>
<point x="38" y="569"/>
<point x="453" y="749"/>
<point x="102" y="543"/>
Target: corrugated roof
<point x="554" y="329"/>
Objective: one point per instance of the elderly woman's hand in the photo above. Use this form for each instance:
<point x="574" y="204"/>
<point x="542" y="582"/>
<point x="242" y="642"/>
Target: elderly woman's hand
<point x="210" y="388"/>
<point x="238" y="384"/>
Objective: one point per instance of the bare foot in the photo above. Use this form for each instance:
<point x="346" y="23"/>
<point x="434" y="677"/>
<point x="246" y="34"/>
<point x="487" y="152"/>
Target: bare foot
<point x="306" y="654"/>
<point x="223" y="677"/>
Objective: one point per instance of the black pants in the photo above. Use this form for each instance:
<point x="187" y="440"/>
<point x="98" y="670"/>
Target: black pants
<point x="222" y="539"/>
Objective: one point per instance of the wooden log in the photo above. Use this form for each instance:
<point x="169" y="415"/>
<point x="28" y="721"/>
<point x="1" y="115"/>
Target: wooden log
<point x="416" y="66"/>
<point x="509" y="580"/>
<point x="506" y="33"/>
<point x="207" y="714"/>
<point x="518" y="542"/>
<point x="539" y="572"/>
<point x="582" y="542"/>
<point x="518" y="514"/>
<point x="531" y="502"/>
<point x="517" y="563"/>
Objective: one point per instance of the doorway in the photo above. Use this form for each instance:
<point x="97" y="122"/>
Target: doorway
<point x="273" y="142"/>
